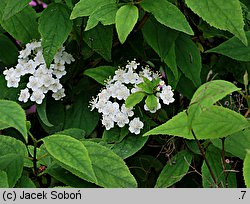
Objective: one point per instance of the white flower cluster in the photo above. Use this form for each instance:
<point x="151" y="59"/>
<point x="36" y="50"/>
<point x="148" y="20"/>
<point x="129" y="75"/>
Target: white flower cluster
<point x="110" y="102"/>
<point x="41" y="79"/>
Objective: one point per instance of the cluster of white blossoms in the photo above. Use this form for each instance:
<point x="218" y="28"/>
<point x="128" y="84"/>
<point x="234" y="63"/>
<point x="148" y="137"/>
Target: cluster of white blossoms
<point x="41" y="79"/>
<point x="110" y="102"/>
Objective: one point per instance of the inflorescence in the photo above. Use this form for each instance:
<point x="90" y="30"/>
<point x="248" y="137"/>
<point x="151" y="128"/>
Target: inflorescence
<point x="41" y="79"/>
<point x="110" y="102"/>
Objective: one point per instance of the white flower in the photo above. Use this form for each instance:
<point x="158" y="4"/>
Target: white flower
<point x="108" y="122"/>
<point x="25" y="53"/>
<point x="104" y="95"/>
<point x="56" y="86"/>
<point x="111" y="109"/>
<point x="146" y="72"/>
<point x="119" y="75"/>
<point x="66" y="57"/>
<point x="132" y="65"/>
<point x="47" y="80"/>
<point x="39" y="59"/>
<point x="30" y="67"/>
<point x="37" y="96"/>
<point x="59" y="94"/>
<point x="58" y="73"/>
<point x="131" y="77"/>
<point x="135" y="126"/>
<point x="24" y="95"/>
<point x="9" y="73"/>
<point x="127" y="111"/>
<point x="59" y="66"/>
<point x="93" y="103"/>
<point x="34" y="83"/>
<point x="166" y="95"/>
<point x="121" y="119"/>
<point x="19" y="71"/>
<point x="13" y="82"/>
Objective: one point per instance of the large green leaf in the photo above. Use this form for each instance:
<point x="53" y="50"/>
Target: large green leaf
<point x="134" y="99"/>
<point x="213" y="122"/>
<point x="208" y="94"/>
<point x="22" y="26"/>
<point x="175" y="169"/>
<point x="67" y="177"/>
<point x="12" y="115"/>
<point x="12" y="164"/>
<point x="99" y="39"/>
<point x="151" y="102"/>
<point x="87" y="7"/>
<point x="54" y="26"/>
<point x="234" y="49"/>
<point x="110" y="170"/>
<point x="162" y="40"/>
<point x="213" y="156"/>
<point x="128" y="146"/>
<point x="9" y="54"/>
<point x="125" y="20"/>
<point x="13" y="7"/>
<point x="167" y="14"/>
<point x="236" y="144"/>
<point x="188" y="58"/>
<point x="71" y="155"/>
<point x="105" y="14"/>
<point x="100" y="74"/>
<point x="246" y="169"/>
<point x="80" y="116"/>
<point x="3" y="179"/>
<point x="222" y="14"/>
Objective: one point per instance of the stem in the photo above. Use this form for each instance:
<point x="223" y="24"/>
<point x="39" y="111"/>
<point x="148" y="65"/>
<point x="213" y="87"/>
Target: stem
<point x="81" y="39"/>
<point x="204" y="157"/>
<point x="142" y="21"/>
<point x="224" y="160"/>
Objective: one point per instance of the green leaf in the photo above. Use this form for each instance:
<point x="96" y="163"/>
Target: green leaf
<point x="110" y="170"/>
<point x="3" y="179"/>
<point x="9" y="54"/>
<point x="22" y="26"/>
<point x="134" y="99"/>
<point x="223" y="14"/>
<point x="213" y="122"/>
<point x="234" y="49"/>
<point x="151" y="102"/>
<point x="128" y="146"/>
<point x="175" y="169"/>
<point x="67" y="177"/>
<point x="217" y="121"/>
<point x="236" y="144"/>
<point x="105" y="15"/>
<point x="162" y="40"/>
<point x="213" y="155"/>
<point x="125" y="20"/>
<point x="80" y="116"/>
<point x="167" y="14"/>
<point x="12" y="164"/>
<point x="246" y="169"/>
<point x="87" y="7"/>
<point x="100" y="74"/>
<point x="208" y="94"/>
<point x="54" y="26"/>
<point x="99" y="39"/>
<point x="13" y="7"/>
<point x="12" y="115"/>
<point x="41" y="110"/>
<point x="188" y="58"/>
<point x="112" y="135"/>
<point x="25" y="182"/>
<point x="71" y="155"/>
<point x="10" y="145"/>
